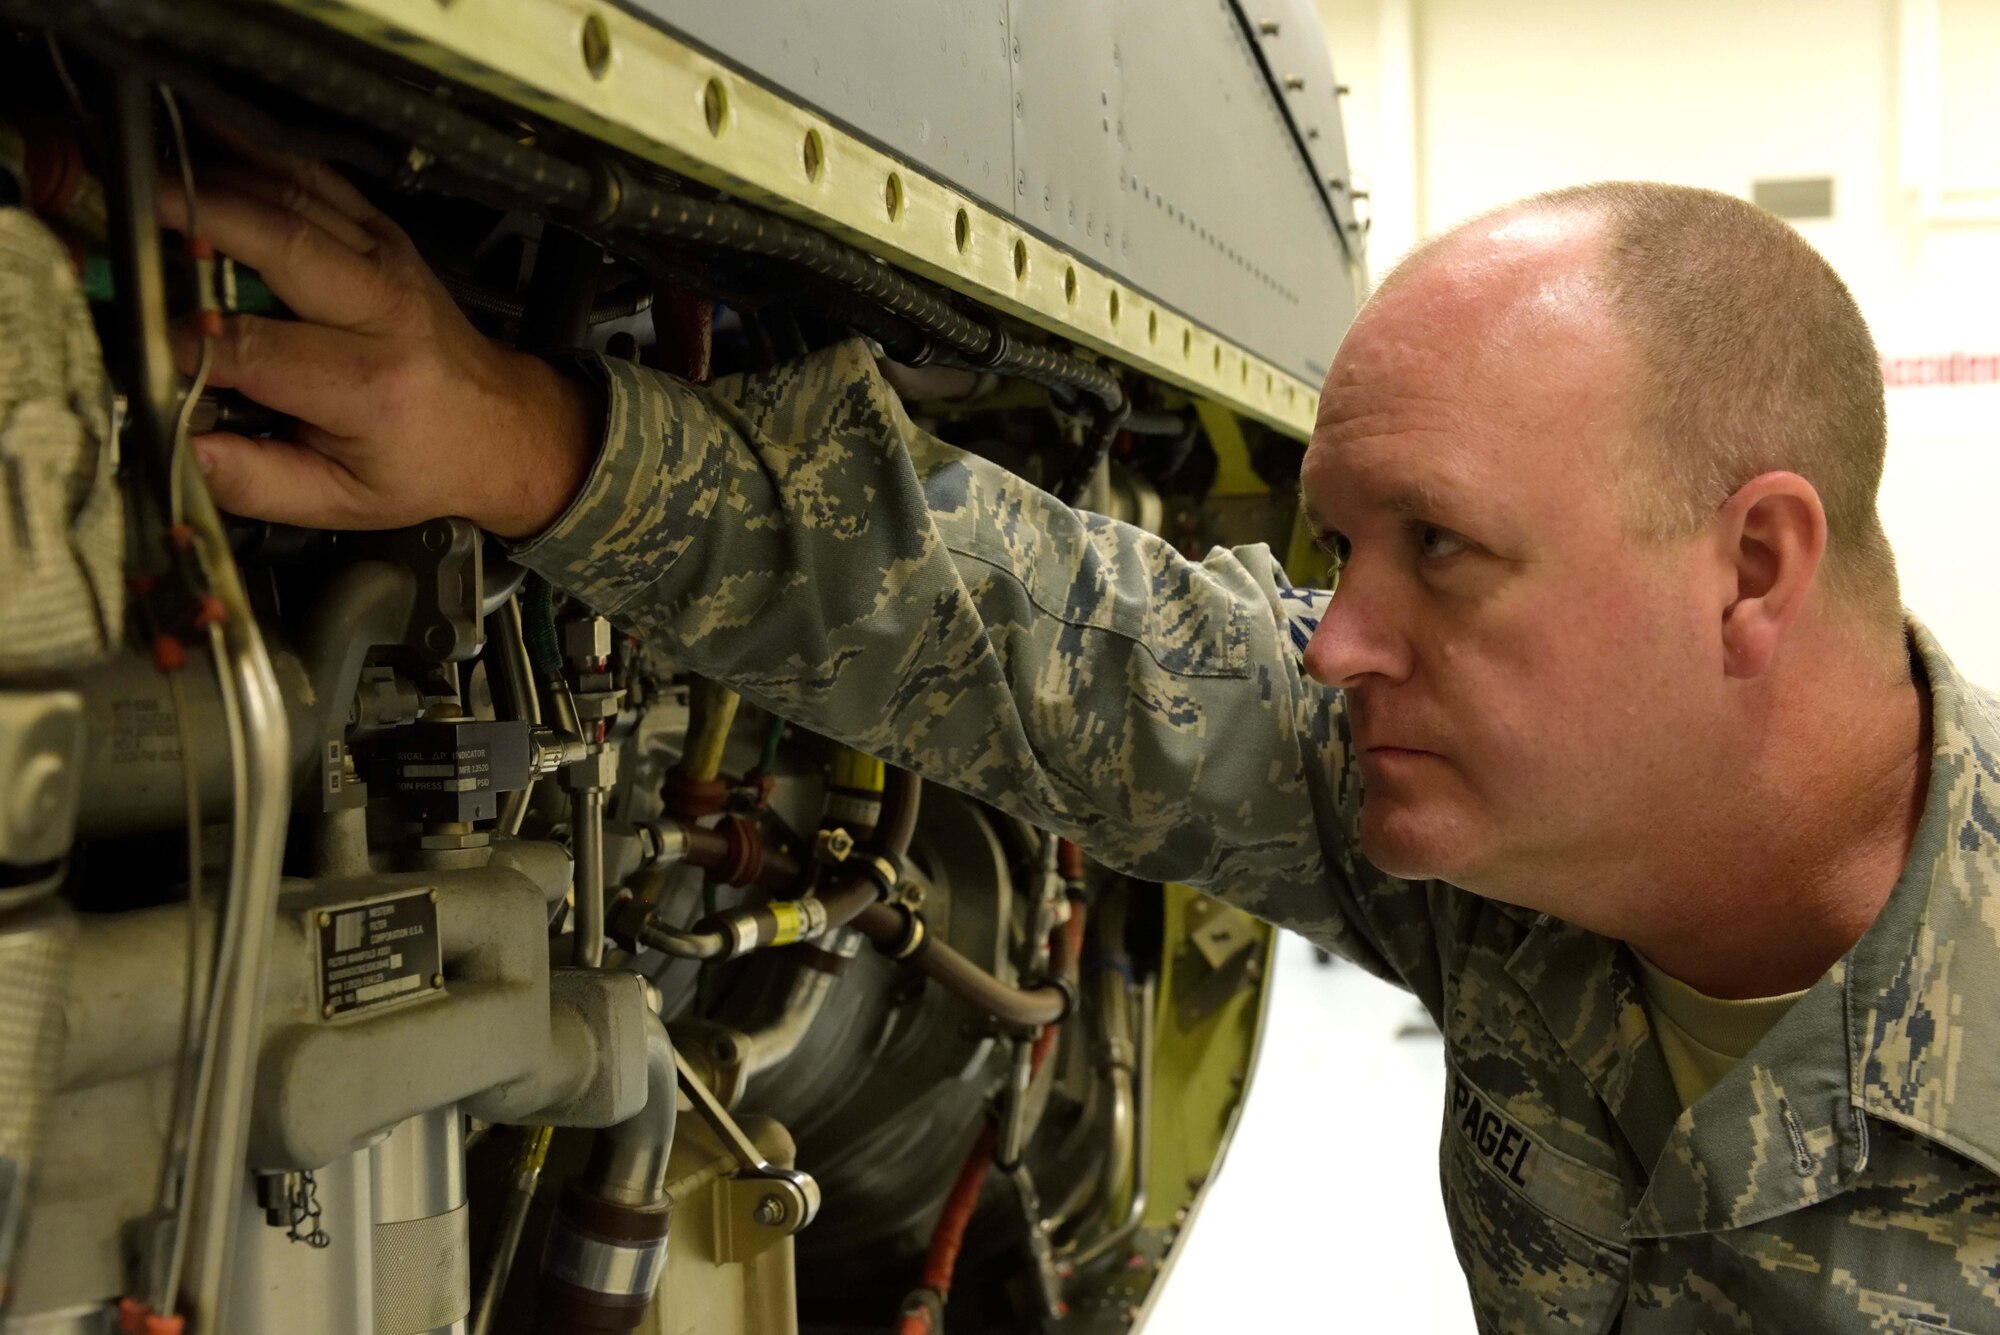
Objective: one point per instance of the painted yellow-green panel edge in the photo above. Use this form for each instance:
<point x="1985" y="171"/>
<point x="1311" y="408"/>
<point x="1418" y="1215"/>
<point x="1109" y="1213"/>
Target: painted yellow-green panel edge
<point x="607" y="74"/>
<point x="1204" y="1074"/>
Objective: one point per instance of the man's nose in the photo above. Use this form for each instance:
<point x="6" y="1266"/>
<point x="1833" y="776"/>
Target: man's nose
<point x="1358" y="640"/>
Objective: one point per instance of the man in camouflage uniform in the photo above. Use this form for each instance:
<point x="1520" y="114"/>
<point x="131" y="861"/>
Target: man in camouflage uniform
<point x="1617" y="662"/>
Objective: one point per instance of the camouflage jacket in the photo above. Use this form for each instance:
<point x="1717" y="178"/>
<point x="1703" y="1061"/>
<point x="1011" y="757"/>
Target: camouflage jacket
<point x="793" y="534"/>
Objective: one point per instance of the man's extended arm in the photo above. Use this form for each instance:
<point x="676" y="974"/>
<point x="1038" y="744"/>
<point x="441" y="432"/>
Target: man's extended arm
<point x="792" y="533"/>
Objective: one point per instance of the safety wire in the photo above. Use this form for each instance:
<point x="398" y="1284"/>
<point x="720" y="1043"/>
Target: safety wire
<point x="192" y="1079"/>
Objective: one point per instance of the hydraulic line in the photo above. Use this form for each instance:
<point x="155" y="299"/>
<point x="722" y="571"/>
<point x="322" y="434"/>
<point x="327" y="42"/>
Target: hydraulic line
<point x="740" y="931"/>
<point x="1142" y="1141"/>
<point x="712" y="710"/>
<point x="902" y="934"/>
<point x="948" y="1237"/>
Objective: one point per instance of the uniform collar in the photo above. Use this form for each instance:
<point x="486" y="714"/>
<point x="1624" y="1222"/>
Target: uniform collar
<point x="1923" y="989"/>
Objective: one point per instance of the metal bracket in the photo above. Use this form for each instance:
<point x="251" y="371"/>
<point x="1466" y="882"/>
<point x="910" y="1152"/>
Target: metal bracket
<point x="761" y="1203"/>
<point x="445" y="625"/>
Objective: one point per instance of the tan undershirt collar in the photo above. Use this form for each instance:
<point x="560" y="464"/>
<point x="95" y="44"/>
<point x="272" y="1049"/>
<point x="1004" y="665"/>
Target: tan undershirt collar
<point x="1701" y="1036"/>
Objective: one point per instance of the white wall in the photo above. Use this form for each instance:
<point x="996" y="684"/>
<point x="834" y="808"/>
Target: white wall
<point x="1460" y="105"/>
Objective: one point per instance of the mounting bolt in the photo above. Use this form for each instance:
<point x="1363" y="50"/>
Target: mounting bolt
<point x="1295" y="82"/>
<point x="834" y="845"/>
<point x="770" y="1211"/>
<point x="1269" y="27"/>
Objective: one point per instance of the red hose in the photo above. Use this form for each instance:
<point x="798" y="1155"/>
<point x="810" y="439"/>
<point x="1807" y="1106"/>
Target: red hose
<point x="949" y="1235"/>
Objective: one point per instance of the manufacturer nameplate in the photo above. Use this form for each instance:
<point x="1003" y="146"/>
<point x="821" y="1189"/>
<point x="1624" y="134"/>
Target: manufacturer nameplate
<point x="378" y="952"/>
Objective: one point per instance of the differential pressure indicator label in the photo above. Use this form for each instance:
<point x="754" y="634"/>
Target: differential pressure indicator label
<point x="378" y="952"/>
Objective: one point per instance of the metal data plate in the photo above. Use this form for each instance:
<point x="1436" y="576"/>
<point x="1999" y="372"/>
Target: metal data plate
<point x="376" y="952"/>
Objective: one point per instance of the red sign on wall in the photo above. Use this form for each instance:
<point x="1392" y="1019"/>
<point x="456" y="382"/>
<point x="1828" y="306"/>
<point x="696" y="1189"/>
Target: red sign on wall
<point x="1942" y="368"/>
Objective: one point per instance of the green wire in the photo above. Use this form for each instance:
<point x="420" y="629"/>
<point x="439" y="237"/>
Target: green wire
<point x="774" y="734"/>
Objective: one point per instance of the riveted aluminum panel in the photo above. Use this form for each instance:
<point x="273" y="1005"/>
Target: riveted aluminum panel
<point x="1142" y="135"/>
<point x="1151" y="120"/>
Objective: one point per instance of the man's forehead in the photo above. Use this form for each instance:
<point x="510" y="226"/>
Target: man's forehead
<point x="1495" y="282"/>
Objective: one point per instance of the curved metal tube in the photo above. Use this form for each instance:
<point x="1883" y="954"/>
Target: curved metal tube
<point x="236" y="1012"/>
<point x="684" y="945"/>
<point x="1142" y="1141"/>
<point x="628" y="1161"/>
<point x="769" y="1046"/>
<point x="958" y="975"/>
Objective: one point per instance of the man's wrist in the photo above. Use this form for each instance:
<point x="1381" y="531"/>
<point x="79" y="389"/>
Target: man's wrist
<point x="560" y="435"/>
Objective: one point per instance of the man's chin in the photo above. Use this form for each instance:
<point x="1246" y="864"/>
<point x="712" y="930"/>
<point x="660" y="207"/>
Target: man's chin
<point x="1413" y="845"/>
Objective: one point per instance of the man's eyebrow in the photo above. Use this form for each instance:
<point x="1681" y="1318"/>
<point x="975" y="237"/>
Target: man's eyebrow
<point x="1417" y="498"/>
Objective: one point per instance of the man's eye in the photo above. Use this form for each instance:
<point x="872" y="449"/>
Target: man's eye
<point x="1337" y="549"/>
<point x="1438" y="543"/>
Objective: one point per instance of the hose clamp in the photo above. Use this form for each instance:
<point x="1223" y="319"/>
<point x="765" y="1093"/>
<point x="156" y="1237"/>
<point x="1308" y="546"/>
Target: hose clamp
<point x="1065" y="987"/>
<point x="881" y="870"/>
<point x="910" y="940"/>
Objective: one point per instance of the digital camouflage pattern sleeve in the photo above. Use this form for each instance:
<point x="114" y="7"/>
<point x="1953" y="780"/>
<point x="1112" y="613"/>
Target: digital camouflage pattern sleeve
<point x="863" y="578"/>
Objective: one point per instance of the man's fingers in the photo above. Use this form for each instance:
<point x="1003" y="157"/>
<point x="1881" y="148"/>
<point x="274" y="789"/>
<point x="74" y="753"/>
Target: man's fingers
<point x="280" y="481"/>
<point x="328" y="377"/>
<point x="286" y="193"/>
<point x="300" y="261"/>
<point x="314" y="175"/>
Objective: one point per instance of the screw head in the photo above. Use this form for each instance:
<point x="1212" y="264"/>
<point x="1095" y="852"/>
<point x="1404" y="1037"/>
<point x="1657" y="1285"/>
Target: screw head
<point x="770" y="1211"/>
<point x="326" y="1011"/>
<point x="437" y="980"/>
<point x="326" y="920"/>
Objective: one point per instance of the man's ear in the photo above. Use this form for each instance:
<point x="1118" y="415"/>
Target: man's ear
<point x="1772" y="533"/>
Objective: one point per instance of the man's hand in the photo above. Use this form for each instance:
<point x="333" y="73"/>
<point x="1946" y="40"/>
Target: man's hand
<point x="406" y="412"/>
